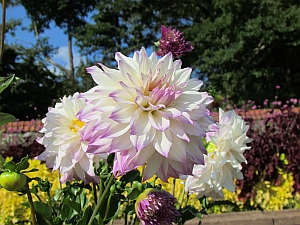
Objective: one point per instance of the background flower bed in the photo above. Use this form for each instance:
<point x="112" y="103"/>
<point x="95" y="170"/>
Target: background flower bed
<point x="272" y="176"/>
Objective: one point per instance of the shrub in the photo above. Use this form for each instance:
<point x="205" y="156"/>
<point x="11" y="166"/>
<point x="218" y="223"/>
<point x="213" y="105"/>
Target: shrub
<point x="275" y="147"/>
<point x="11" y="209"/>
<point x="18" y="145"/>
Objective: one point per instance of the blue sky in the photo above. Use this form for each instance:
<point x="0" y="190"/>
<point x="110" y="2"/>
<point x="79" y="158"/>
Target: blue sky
<point x="56" y="36"/>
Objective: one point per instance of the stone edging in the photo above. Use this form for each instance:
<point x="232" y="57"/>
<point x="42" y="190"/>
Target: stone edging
<point x="281" y="217"/>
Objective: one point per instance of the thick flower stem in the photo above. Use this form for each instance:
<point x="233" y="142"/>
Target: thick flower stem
<point x="101" y="198"/>
<point x="107" y="207"/>
<point x="33" y="219"/>
<point x="95" y="192"/>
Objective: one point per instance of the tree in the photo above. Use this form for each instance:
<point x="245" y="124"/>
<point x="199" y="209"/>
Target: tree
<point x="36" y="90"/>
<point x="69" y="16"/>
<point x="242" y="48"/>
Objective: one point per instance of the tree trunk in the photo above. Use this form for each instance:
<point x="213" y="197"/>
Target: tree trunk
<point x="2" y="29"/>
<point x="71" y="60"/>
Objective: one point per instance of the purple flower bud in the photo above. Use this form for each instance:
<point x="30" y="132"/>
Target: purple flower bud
<point x="156" y="207"/>
<point x="172" y="41"/>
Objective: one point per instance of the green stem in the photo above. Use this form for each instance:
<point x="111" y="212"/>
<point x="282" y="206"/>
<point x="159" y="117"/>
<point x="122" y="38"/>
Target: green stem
<point x="49" y="203"/>
<point x="111" y="222"/>
<point x="136" y="220"/>
<point x="95" y="192"/>
<point x="125" y="219"/>
<point x="33" y="219"/>
<point x="38" y="197"/>
<point x="101" y="198"/>
<point x="107" y="207"/>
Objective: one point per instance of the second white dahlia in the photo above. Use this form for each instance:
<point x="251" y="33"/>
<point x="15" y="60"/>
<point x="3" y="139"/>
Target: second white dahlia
<point x="227" y="142"/>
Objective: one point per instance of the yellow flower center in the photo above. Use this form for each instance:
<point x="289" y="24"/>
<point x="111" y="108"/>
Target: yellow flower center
<point x="211" y="147"/>
<point x="77" y="124"/>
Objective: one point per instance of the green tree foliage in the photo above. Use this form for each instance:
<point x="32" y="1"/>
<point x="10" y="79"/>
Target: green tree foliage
<point x="36" y="89"/>
<point x="68" y="15"/>
<point x="243" y="48"/>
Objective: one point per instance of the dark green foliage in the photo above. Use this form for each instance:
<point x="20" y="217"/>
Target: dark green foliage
<point x="65" y="14"/>
<point x="243" y="48"/>
<point x="33" y="93"/>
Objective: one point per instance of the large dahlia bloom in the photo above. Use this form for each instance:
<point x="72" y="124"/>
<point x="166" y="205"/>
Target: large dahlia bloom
<point x="65" y="149"/>
<point x="227" y="142"/>
<point x="151" y="114"/>
<point x="156" y="207"/>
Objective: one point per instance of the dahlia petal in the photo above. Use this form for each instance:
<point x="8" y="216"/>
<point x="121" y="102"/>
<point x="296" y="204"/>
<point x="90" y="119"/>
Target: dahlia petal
<point x="120" y="143"/>
<point x="177" y="128"/>
<point x="194" y="84"/>
<point x="182" y="75"/>
<point x="130" y="73"/>
<point x="139" y="123"/>
<point x="178" y="151"/>
<point x="141" y="141"/>
<point x="158" y="121"/>
<point x="153" y="164"/>
<point x="122" y="113"/>
<point x="101" y="78"/>
<point x="194" y="129"/>
<point x="162" y="142"/>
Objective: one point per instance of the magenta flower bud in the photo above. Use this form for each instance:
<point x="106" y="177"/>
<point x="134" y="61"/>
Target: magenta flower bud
<point x="156" y="207"/>
<point x="172" y="41"/>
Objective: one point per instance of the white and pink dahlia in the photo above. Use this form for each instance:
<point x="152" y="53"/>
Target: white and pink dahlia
<point x="65" y="150"/>
<point x="227" y="142"/>
<point x="151" y="113"/>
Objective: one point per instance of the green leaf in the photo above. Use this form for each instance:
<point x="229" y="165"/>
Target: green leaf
<point x="134" y="194"/>
<point x="86" y="216"/>
<point x="221" y="202"/>
<point x="73" y="205"/>
<point x="43" y="209"/>
<point x="9" y="166"/>
<point x="23" y="164"/>
<point x="31" y="170"/>
<point x="188" y="213"/>
<point x="5" y="82"/>
<point x="129" y="210"/>
<point x="6" y="118"/>
<point x="66" y="212"/>
<point x="130" y="176"/>
<point x="113" y="210"/>
<point x="41" y="220"/>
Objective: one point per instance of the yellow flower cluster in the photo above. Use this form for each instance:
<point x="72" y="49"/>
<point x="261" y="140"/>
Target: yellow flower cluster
<point x="267" y="196"/>
<point x="11" y="209"/>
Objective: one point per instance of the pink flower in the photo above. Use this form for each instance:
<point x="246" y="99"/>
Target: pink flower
<point x="277" y="87"/>
<point x="173" y="41"/>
